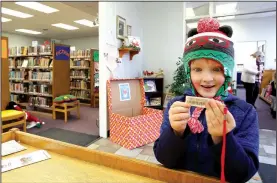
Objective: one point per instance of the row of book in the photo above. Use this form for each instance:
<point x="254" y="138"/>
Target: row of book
<point x="40" y="101"/>
<point x="41" y="88"/>
<point x="83" y="94"/>
<point x="79" y="63"/>
<point x="17" y="74"/>
<point x="14" y="98"/>
<point x="30" y="62"/>
<point x="80" y="53"/>
<point x="79" y="73"/>
<point x="155" y="101"/>
<point x="30" y="50"/>
<point x="45" y="76"/>
<point x="79" y="85"/>
<point x="18" y="87"/>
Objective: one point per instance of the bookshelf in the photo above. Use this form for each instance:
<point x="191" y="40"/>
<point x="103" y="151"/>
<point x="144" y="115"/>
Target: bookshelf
<point x="83" y="73"/>
<point x="37" y="75"/>
<point x="5" y="93"/>
<point x="154" y="92"/>
<point x="95" y="78"/>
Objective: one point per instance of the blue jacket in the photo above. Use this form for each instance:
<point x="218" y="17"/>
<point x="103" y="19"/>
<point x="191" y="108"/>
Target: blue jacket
<point x="196" y="152"/>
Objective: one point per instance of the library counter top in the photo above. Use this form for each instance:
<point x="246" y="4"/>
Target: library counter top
<point x="71" y="163"/>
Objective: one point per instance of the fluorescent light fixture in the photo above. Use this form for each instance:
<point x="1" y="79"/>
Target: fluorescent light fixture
<point x="190" y="12"/>
<point x="226" y="18"/>
<point x="37" y="6"/>
<point x="86" y="23"/>
<point x="15" y="13"/>
<point x="65" y="26"/>
<point x="227" y="8"/>
<point x="27" y="31"/>
<point x="5" y="19"/>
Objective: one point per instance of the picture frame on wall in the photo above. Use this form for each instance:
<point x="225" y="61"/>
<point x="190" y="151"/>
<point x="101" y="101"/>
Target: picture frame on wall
<point x="121" y="28"/>
<point x="129" y="30"/>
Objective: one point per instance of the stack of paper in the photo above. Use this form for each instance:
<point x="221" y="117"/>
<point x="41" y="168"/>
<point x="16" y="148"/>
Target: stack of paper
<point x="11" y="147"/>
<point x="23" y="160"/>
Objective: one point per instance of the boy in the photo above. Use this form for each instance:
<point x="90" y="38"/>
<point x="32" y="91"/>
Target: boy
<point x="191" y="137"/>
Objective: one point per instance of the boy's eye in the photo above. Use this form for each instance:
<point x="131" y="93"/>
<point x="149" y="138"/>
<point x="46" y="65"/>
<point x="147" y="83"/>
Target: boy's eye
<point x="197" y="69"/>
<point x="218" y="69"/>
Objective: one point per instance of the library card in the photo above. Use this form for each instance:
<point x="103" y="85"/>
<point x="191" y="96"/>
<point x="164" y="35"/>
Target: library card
<point x="196" y="101"/>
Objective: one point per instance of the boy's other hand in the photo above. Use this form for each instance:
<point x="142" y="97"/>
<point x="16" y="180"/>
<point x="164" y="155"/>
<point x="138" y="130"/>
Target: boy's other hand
<point x="179" y="114"/>
<point x="215" y="117"/>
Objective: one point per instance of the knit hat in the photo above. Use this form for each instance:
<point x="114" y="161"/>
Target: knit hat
<point x="212" y="41"/>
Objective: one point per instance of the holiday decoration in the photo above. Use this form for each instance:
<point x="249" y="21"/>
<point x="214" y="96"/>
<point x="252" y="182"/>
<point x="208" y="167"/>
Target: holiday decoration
<point x="179" y="80"/>
<point x="33" y="121"/>
<point x="64" y="98"/>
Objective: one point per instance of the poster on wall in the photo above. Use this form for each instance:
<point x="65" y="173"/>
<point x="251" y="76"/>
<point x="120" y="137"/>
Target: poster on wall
<point x="124" y="91"/>
<point x="62" y="52"/>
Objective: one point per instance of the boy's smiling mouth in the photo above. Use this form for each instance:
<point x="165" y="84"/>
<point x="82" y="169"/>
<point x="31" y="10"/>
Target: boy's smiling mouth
<point x="207" y="86"/>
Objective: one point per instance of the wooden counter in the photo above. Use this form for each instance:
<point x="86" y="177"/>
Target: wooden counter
<point x="71" y="163"/>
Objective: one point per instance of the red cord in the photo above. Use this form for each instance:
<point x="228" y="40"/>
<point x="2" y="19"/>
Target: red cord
<point x="222" y="178"/>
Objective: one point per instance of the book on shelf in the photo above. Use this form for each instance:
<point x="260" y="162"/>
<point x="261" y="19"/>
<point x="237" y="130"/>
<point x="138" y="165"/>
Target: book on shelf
<point x="11" y="147"/>
<point x="157" y="101"/>
<point x="150" y="86"/>
<point x="80" y="53"/>
<point x="44" y="76"/>
<point x="40" y="101"/>
<point x="24" y="160"/>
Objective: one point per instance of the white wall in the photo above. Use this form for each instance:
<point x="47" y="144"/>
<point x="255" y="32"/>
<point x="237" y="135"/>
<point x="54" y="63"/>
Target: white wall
<point x="257" y="29"/>
<point x="20" y="40"/>
<point x="162" y="36"/>
<point x="83" y="43"/>
<point x="131" y="12"/>
<point x="107" y="35"/>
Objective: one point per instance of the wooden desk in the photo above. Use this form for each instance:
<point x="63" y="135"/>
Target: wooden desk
<point x="17" y="118"/>
<point x="71" y="163"/>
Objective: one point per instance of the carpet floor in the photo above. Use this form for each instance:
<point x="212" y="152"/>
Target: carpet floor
<point x="86" y="124"/>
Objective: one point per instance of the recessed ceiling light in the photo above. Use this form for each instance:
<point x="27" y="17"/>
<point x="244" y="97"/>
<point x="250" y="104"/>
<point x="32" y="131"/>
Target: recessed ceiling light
<point x="37" y="6"/>
<point x="15" y="13"/>
<point x="65" y="26"/>
<point x="85" y="22"/>
<point x="5" y="19"/>
<point x="27" y="31"/>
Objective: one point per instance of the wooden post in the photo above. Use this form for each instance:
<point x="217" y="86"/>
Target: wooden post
<point x="5" y="88"/>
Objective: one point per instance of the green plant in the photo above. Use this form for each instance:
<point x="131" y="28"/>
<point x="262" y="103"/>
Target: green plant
<point x="179" y="80"/>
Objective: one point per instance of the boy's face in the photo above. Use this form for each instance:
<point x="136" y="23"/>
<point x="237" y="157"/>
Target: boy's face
<point x="207" y="76"/>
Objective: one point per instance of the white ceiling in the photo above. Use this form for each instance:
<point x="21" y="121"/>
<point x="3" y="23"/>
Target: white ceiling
<point x="202" y="8"/>
<point x="68" y="13"/>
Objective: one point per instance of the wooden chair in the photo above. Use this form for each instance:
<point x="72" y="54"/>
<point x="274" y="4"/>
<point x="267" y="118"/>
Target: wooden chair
<point x="65" y="108"/>
<point x="16" y="118"/>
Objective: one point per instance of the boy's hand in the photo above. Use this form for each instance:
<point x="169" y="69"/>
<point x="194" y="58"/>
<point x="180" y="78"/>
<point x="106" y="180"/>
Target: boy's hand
<point x="215" y="117"/>
<point x="179" y="114"/>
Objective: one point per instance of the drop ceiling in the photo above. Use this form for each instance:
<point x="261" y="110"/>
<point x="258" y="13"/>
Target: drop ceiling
<point x="202" y="8"/>
<point x="67" y="14"/>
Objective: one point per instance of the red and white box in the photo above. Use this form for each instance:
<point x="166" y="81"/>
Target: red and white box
<point x="131" y="124"/>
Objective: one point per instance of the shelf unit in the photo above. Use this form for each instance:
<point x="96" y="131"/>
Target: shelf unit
<point x="123" y="51"/>
<point x="37" y="75"/>
<point x="5" y="93"/>
<point x="155" y="95"/>
<point x="82" y="75"/>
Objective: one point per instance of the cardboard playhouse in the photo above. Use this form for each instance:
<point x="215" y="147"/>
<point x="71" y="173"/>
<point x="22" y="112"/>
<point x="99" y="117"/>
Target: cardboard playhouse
<point x="131" y="124"/>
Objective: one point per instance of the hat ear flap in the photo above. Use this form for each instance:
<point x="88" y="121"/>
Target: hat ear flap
<point x="192" y="32"/>
<point x="226" y="30"/>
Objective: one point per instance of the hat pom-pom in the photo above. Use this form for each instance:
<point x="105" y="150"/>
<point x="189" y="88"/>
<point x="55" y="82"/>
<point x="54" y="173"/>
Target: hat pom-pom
<point x="207" y="25"/>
